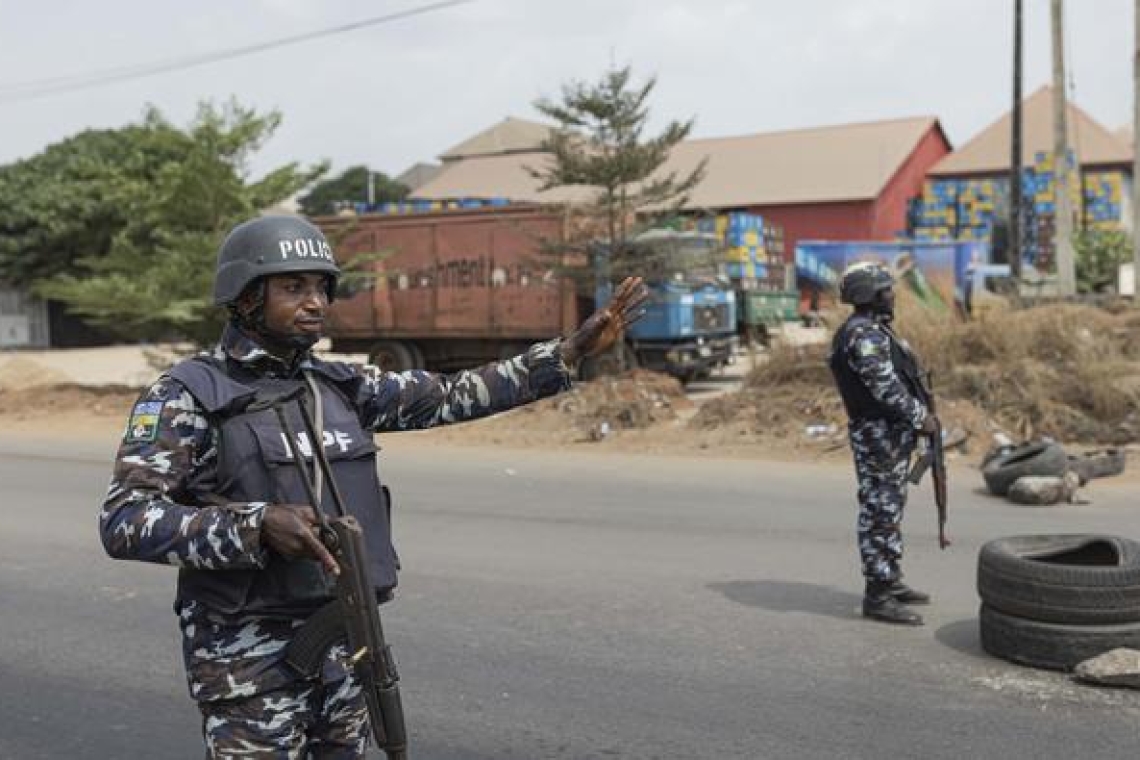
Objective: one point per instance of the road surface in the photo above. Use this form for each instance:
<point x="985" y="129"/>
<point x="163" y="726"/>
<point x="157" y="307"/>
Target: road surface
<point x="576" y="605"/>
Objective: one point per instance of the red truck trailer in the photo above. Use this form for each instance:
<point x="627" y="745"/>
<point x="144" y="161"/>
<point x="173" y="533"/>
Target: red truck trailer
<point x="449" y="289"/>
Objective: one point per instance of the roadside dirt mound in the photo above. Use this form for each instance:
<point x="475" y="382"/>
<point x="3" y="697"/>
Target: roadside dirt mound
<point x="636" y="400"/>
<point x="1068" y="372"/>
<point x="20" y="372"/>
<point x="591" y="411"/>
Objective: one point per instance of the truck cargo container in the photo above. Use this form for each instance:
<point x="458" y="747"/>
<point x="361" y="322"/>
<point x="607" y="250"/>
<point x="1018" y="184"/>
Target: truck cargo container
<point x="447" y="290"/>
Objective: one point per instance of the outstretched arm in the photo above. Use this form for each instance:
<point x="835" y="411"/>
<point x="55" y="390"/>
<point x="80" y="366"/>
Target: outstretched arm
<point x="414" y="400"/>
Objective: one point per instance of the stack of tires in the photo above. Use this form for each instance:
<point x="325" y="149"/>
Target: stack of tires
<point x="1053" y="601"/>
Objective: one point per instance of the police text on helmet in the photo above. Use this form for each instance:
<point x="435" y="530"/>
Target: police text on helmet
<point x="305" y="248"/>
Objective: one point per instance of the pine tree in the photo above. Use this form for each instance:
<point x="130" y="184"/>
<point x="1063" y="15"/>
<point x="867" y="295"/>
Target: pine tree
<point x="600" y="142"/>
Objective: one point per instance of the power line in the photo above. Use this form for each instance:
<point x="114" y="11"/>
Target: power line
<point x="30" y="90"/>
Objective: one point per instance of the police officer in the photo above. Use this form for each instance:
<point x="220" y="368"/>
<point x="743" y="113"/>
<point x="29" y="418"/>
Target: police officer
<point x="878" y="378"/>
<point x="202" y="484"/>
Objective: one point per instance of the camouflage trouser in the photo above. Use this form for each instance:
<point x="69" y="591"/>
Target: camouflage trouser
<point x="310" y="719"/>
<point x="255" y="706"/>
<point x="882" y="452"/>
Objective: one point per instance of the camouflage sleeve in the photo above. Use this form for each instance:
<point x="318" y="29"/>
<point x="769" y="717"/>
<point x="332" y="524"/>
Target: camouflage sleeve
<point x="870" y="356"/>
<point x="168" y="441"/>
<point x="415" y="400"/>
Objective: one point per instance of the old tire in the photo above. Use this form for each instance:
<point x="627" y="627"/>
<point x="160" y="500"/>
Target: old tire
<point x="1079" y="579"/>
<point x="1050" y="645"/>
<point x="1039" y="458"/>
<point x="1097" y="464"/>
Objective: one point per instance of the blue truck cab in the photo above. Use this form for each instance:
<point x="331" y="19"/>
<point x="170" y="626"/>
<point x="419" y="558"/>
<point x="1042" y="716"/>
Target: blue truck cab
<point x="689" y="327"/>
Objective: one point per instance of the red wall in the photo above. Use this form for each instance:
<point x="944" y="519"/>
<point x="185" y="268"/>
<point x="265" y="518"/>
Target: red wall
<point x="889" y="214"/>
<point x="878" y="219"/>
<point x="849" y="220"/>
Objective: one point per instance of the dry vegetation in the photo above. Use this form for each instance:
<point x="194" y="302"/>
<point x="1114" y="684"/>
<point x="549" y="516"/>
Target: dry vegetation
<point x="1065" y="371"/>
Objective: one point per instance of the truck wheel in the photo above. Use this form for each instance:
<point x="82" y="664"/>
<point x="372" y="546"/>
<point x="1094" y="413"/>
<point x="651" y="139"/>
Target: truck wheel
<point x="418" y="361"/>
<point x="392" y="356"/>
<point x="1050" y="645"/>
<point x="1077" y="579"/>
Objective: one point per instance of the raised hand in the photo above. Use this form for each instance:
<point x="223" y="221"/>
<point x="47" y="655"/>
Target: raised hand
<point x="606" y="326"/>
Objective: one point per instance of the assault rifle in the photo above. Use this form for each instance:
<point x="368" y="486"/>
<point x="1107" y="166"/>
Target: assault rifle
<point x="353" y="615"/>
<point x="933" y="458"/>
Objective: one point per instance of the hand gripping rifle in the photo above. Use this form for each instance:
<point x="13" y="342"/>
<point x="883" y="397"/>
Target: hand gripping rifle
<point x="933" y="458"/>
<point x="353" y="614"/>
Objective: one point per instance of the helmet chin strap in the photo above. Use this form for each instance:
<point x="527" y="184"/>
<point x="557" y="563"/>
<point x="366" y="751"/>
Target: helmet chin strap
<point x="274" y="339"/>
<point x="253" y="322"/>
<point x="883" y="310"/>
<point x="286" y="341"/>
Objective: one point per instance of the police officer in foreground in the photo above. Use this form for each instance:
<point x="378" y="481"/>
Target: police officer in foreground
<point x="878" y="378"/>
<point x="203" y="484"/>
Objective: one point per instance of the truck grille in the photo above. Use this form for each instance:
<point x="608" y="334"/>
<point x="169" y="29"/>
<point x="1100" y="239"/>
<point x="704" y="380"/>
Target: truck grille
<point x="713" y="317"/>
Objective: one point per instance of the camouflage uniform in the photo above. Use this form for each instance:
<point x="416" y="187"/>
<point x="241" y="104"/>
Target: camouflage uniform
<point x="883" y="433"/>
<point x="250" y="700"/>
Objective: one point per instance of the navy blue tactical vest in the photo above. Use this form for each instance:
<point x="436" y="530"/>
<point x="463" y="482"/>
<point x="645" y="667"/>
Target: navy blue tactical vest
<point x="860" y="404"/>
<point x="254" y="464"/>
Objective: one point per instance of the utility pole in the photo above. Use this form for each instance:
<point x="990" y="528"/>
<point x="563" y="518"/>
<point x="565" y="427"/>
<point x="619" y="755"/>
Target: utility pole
<point x="1062" y="171"/>
<point x="1015" y="152"/>
<point x="1136" y="160"/>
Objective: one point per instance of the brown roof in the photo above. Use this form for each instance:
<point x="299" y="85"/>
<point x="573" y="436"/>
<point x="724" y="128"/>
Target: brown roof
<point x="989" y="151"/>
<point x="510" y="135"/>
<point x="418" y="174"/>
<point x="1124" y="134"/>
<point x="837" y="163"/>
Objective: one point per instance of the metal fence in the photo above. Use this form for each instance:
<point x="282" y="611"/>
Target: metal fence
<point x="23" y="321"/>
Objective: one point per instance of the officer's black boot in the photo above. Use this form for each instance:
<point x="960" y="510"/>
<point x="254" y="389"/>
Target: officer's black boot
<point x="879" y="604"/>
<point x="907" y="595"/>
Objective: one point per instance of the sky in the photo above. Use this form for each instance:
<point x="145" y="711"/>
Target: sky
<point x="402" y="92"/>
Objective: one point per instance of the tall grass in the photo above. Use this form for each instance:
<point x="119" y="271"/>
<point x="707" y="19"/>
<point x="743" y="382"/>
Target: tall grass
<point x="1064" y="370"/>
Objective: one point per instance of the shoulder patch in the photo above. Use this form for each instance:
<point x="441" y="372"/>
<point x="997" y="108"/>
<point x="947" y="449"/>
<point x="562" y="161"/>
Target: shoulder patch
<point x="143" y="425"/>
<point x="870" y="347"/>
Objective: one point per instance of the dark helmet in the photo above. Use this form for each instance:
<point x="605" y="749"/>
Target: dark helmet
<point x="861" y="281"/>
<point x="271" y="245"/>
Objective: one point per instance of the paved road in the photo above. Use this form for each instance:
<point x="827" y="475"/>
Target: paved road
<point x="575" y="605"/>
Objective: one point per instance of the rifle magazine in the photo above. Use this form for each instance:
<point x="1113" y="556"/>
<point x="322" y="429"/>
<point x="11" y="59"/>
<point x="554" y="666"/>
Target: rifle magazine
<point x="312" y="641"/>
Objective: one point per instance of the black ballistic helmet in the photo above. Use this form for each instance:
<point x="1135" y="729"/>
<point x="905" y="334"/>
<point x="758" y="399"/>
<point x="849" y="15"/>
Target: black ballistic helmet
<point x="861" y="281"/>
<point x="271" y="245"/>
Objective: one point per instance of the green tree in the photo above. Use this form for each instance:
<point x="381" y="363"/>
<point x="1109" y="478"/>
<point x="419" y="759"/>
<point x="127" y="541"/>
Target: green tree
<point x="1099" y="256"/>
<point x="351" y="186"/>
<point x="70" y="201"/>
<point x="148" y="275"/>
<point x="601" y="143"/>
